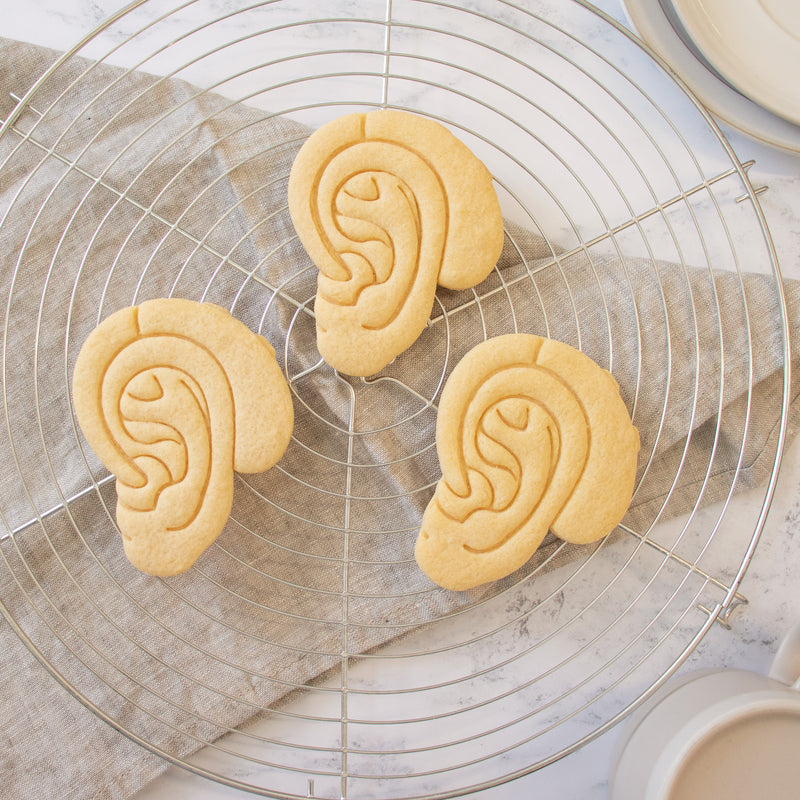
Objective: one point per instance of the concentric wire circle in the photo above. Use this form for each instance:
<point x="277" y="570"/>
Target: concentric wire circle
<point x="305" y="654"/>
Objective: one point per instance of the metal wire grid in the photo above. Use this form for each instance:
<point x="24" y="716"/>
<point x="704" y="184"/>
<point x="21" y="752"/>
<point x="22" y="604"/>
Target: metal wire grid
<point x="304" y="656"/>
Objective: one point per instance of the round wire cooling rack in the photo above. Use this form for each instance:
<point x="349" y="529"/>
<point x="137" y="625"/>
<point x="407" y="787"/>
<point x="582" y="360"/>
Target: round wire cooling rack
<point x="305" y="655"/>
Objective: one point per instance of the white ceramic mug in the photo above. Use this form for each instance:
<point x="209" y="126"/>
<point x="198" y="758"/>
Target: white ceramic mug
<point x="727" y="733"/>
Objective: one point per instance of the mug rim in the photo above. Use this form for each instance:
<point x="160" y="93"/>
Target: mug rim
<point x="700" y="728"/>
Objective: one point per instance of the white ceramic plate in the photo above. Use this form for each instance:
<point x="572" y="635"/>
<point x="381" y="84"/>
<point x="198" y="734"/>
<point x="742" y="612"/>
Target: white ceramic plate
<point x="754" y="44"/>
<point x="650" y="21"/>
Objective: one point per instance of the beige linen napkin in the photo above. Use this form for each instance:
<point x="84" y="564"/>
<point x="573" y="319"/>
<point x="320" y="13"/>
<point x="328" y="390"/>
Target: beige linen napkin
<point x="77" y="242"/>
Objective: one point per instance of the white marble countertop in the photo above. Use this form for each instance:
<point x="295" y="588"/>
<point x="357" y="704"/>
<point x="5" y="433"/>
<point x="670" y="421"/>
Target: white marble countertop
<point x="770" y="584"/>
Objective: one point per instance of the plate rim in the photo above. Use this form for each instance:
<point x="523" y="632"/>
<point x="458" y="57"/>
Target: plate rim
<point x="742" y="60"/>
<point x="648" y="20"/>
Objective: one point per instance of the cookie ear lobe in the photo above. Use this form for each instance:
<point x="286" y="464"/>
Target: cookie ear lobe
<point x="172" y="396"/>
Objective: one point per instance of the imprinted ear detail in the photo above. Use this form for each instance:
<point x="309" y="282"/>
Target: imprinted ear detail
<point x="532" y="436"/>
<point x="173" y="396"/>
<point x="388" y="205"/>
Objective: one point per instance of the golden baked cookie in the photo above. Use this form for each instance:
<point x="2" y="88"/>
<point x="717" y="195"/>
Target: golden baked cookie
<point x="387" y="205"/>
<point x="532" y="435"/>
<point x="173" y="396"/>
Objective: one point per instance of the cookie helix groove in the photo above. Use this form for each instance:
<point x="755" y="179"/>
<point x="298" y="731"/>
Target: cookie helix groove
<point x="388" y="205"/>
<point x="173" y="396"/>
<point x="532" y="436"/>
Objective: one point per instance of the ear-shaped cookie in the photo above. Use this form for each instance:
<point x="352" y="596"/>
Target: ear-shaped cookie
<point x="173" y="396"/>
<point x="388" y="204"/>
<point x="532" y="435"/>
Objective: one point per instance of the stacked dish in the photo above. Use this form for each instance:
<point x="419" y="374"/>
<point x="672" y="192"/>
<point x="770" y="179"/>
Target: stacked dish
<point x="741" y="65"/>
